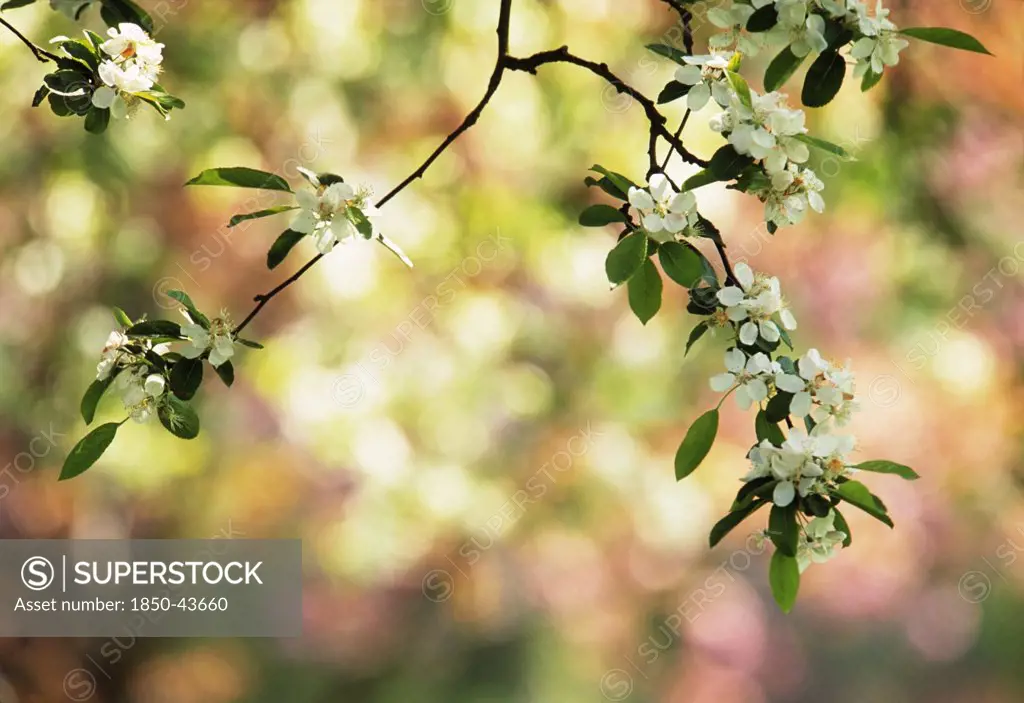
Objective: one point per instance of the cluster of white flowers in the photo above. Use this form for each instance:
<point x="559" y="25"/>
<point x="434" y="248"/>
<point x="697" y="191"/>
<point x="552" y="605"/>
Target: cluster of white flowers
<point x="132" y="67"/>
<point x="755" y="302"/>
<point x="800" y="24"/>
<point x="706" y="77"/>
<point x="804" y="464"/>
<point x="219" y="340"/>
<point x="768" y="131"/>
<point x="880" y="45"/>
<point x="324" y="213"/>
<point x="137" y="387"/>
<point x="827" y="392"/>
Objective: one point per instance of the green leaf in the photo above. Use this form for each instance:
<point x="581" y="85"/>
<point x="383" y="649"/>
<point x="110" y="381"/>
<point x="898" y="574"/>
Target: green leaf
<point x="605" y="184"/>
<point x="114" y="12"/>
<point x="186" y="377"/>
<point x="241" y="177"/>
<point x="82" y="51"/>
<point x="178" y="417"/>
<point x="12" y="4"/>
<point x="645" y="292"/>
<point x="732" y="520"/>
<point x="669" y="52"/>
<point x="781" y="69"/>
<point x="193" y="311"/>
<point x="751" y="490"/>
<point x="726" y="164"/>
<point x="825" y="146"/>
<point x="824" y="79"/>
<point x="88" y="451"/>
<point x="361" y="221"/>
<point x="697" y="444"/>
<point x="763" y="19"/>
<point x="889" y="467"/>
<point x="784" y="577"/>
<point x="122" y="317"/>
<point x="857" y="494"/>
<point x="740" y="87"/>
<point x="840" y="524"/>
<point x="777" y="409"/>
<point x="783" y="529"/>
<point x="766" y="429"/>
<point x="226" y="372"/>
<point x="870" y="80"/>
<point x="673" y="91"/>
<point x="40" y="96"/>
<point x="238" y="219"/>
<point x="601" y="215"/>
<point x="97" y="120"/>
<point x="681" y="263"/>
<point x="155" y="328"/>
<point x="249" y="343"/>
<point x="946" y="37"/>
<point x="280" y="248"/>
<point x="92" y="397"/>
<point x="695" y="334"/>
<point x="817" y="505"/>
<point x="617" y="179"/>
<point x="701" y="178"/>
<point x="626" y="258"/>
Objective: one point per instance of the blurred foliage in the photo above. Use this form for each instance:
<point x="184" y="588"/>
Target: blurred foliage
<point x="478" y="454"/>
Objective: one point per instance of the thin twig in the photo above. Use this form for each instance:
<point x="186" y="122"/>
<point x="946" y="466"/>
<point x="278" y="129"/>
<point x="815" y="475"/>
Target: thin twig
<point x="530" y="64"/>
<point x="678" y="134"/>
<point x="39" y="52"/>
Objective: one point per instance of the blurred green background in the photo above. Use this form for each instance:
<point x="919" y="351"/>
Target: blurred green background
<point x="477" y="454"/>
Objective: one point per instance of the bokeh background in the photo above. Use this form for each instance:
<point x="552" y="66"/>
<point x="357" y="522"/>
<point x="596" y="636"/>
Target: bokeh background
<point x="397" y="419"/>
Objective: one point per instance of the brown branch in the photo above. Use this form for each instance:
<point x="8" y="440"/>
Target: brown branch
<point x="504" y="13"/>
<point x="529" y="64"/>
<point x="39" y="52"/>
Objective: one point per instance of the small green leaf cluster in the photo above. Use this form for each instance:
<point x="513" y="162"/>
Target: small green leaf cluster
<point x="138" y="364"/>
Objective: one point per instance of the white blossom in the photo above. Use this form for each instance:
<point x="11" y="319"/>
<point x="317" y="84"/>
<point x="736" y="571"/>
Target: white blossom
<point x="754" y="302"/>
<point x="828" y="392"/>
<point x="788" y="195"/>
<point x="880" y="45"/>
<point x="747" y="375"/>
<point x="799" y="27"/>
<point x="819" y="542"/>
<point x="661" y="208"/>
<point x="139" y="390"/>
<point x="219" y="340"/>
<point x="324" y="215"/>
<point x="706" y="76"/>
<point x="111" y="354"/>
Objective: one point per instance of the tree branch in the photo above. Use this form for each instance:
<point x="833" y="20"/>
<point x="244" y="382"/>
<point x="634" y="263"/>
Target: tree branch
<point x="39" y="52"/>
<point x="530" y="64"/>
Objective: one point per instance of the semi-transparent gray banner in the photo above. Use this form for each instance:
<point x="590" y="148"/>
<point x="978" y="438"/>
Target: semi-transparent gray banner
<point x="151" y="588"/>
